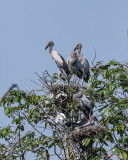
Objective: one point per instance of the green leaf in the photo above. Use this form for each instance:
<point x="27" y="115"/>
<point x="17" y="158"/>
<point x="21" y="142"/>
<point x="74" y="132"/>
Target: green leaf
<point x="125" y="155"/>
<point x="6" y="110"/>
<point x="86" y="141"/>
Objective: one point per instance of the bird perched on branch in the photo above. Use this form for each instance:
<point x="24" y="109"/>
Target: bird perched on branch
<point x="82" y="123"/>
<point x="91" y="121"/>
<point x="61" y="117"/>
<point x="84" y="62"/>
<point x="84" y="103"/>
<point x="59" y="60"/>
<point x="74" y="64"/>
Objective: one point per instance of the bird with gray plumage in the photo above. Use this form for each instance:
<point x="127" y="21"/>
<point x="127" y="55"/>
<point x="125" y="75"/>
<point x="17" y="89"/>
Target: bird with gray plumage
<point x="74" y="64"/>
<point x="83" y="61"/>
<point x="88" y="122"/>
<point x="91" y="121"/>
<point x="84" y="103"/>
<point x="82" y="123"/>
<point x="59" y="60"/>
<point x="61" y="117"/>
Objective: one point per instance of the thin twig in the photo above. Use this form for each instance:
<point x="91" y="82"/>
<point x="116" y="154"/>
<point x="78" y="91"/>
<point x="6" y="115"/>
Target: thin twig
<point x="94" y="58"/>
<point x="9" y="155"/>
<point x="100" y="108"/>
<point x="36" y="83"/>
<point x="56" y="152"/>
<point x="32" y="125"/>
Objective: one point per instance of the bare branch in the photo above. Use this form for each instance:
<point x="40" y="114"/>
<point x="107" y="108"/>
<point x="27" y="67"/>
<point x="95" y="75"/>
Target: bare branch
<point x="94" y="58"/>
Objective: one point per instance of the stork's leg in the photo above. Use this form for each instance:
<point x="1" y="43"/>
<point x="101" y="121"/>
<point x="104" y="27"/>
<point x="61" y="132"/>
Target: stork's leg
<point x="82" y="81"/>
<point x="58" y="76"/>
<point x="68" y="80"/>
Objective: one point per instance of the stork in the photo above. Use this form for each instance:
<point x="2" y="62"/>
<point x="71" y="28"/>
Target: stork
<point x="61" y="117"/>
<point x="59" y="60"/>
<point x="82" y="123"/>
<point x="74" y="64"/>
<point x="83" y="61"/>
<point x="87" y="122"/>
<point x="84" y="103"/>
<point x="91" y="121"/>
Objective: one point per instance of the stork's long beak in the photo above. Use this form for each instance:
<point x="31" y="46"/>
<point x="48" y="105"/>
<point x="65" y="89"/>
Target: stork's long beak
<point x="75" y="49"/>
<point x="47" y="46"/>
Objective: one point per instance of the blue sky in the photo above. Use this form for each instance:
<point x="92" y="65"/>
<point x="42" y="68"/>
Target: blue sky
<point x="26" y="26"/>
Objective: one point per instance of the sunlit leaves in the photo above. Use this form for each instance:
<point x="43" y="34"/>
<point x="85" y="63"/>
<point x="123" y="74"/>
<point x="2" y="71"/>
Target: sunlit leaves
<point x="108" y="91"/>
<point x="5" y="132"/>
<point x="86" y="141"/>
<point x="108" y="87"/>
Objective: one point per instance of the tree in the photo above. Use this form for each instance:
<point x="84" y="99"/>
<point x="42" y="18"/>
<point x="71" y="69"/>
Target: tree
<point x="108" y="92"/>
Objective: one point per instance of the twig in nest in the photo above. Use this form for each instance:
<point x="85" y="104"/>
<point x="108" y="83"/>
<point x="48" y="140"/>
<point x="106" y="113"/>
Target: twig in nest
<point x="44" y="82"/>
<point x="36" y="83"/>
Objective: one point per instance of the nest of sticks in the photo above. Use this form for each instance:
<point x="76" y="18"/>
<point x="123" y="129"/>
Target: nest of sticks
<point x="87" y="131"/>
<point x="58" y="87"/>
<point x="62" y="93"/>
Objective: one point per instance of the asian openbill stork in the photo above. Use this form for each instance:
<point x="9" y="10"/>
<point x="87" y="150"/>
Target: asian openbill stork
<point x="61" y="117"/>
<point x="59" y="60"/>
<point x="91" y="121"/>
<point x="83" y="61"/>
<point x="74" y="64"/>
<point x="82" y="123"/>
<point x="84" y="103"/>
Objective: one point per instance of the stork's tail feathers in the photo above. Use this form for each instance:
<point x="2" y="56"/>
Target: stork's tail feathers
<point x="86" y="76"/>
<point x="87" y="113"/>
<point x="86" y="79"/>
<point x="66" y="70"/>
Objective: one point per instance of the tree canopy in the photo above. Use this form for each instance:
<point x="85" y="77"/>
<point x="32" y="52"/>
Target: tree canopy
<point x="32" y="114"/>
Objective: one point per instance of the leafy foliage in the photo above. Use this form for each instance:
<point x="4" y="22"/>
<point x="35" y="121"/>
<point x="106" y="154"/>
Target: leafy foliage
<point x="108" y="91"/>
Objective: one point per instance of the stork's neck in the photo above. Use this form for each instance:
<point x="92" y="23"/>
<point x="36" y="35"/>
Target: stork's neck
<point x="73" y="61"/>
<point x="78" y="51"/>
<point x="50" y="49"/>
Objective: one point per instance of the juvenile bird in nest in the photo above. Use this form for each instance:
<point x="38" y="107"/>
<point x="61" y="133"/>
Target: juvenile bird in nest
<point x="84" y="103"/>
<point x="61" y="117"/>
<point x="82" y="123"/>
